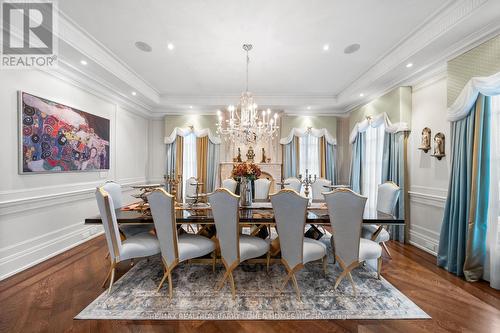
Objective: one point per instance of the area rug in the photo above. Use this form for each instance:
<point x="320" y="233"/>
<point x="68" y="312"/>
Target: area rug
<point x="134" y="295"/>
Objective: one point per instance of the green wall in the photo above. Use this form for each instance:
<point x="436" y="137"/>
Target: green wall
<point x="288" y="122"/>
<point x="198" y="121"/>
<point x="396" y="103"/>
<point x="483" y="60"/>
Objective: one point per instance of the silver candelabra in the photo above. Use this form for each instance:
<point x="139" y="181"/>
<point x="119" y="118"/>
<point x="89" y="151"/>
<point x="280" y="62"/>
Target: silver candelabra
<point x="307" y="182"/>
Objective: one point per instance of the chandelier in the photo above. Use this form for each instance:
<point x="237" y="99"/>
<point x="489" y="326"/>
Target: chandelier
<point x="245" y="123"/>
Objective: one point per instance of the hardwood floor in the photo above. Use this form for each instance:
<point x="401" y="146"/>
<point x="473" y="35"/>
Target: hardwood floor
<point x="46" y="297"/>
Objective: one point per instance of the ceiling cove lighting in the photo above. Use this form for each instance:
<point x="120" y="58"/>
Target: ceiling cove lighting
<point x="409" y="65"/>
<point x="245" y="123"/>
<point x="170" y="46"/>
<point x="83" y="62"/>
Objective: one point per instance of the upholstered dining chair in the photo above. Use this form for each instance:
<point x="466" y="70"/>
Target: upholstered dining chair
<point x="290" y="210"/>
<point x="262" y="186"/>
<point x="346" y="209"/>
<point x="387" y="198"/>
<point x="175" y="248"/>
<point x="293" y="183"/>
<point x="230" y="184"/>
<point x="115" y="192"/>
<point x="190" y="189"/>
<point x="136" y="246"/>
<point x="235" y="247"/>
<point x="318" y="188"/>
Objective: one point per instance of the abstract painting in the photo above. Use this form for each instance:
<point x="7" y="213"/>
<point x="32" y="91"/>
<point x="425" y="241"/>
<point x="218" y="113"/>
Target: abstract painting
<point x="58" y="138"/>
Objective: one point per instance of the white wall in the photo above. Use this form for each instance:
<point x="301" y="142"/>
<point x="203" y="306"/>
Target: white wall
<point x="42" y="214"/>
<point x="428" y="176"/>
<point x="158" y="150"/>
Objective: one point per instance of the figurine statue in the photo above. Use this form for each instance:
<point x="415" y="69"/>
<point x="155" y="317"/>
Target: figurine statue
<point x="263" y="159"/>
<point x="439" y="146"/>
<point x="238" y="158"/>
<point x="426" y="139"/>
<point x="250" y="154"/>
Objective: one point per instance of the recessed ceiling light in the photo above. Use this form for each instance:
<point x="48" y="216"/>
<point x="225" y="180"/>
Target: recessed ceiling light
<point x="83" y="62"/>
<point x="134" y="93"/>
<point x="309" y="108"/>
<point x="170" y="46"/>
<point x="352" y="48"/>
<point x="361" y="95"/>
<point x="326" y="47"/>
<point x="408" y="65"/>
<point x="143" y="46"/>
<point x="190" y="106"/>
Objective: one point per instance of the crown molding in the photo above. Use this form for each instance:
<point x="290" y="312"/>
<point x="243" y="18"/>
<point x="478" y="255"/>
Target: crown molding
<point x="437" y="26"/>
<point x="82" y="41"/>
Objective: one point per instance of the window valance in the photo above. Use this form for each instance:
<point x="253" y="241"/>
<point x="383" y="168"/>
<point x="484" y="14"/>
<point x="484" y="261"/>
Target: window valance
<point x="488" y="86"/>
<point x="316" y="132"/>
<point x="198" y="133"/>
<point x="376" y="121"/>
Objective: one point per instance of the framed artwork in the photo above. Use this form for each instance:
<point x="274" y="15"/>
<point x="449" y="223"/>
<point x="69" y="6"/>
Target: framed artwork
<point x="58" y="138"/>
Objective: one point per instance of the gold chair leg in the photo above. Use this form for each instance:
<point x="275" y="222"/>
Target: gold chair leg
<point x="111" y="280"/>
<point x="341" y="276"/>
<point x="352" y="282"/>
<point x="162" y="281"/>
<point x="107" y="277"/>
<point x="220" y="284"/>
<point x="268" y="258"/>
<point x="325" y="263"/>
<point x="386" y="250"/>
<point x="170" y="287"/>
<point x="379" y="266"/>
<point x="296" y="286"/>
<point x="214" y="258"/>
<point x="288" y="276"/>
<point x="233" y="288"/>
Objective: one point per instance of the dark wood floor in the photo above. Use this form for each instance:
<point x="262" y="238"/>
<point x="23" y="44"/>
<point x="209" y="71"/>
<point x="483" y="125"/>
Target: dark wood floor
<point x="45" y="298"/>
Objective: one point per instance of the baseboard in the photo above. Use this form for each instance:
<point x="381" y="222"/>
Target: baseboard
<point x="34" y="255"/>
<point x="423" y="242"/>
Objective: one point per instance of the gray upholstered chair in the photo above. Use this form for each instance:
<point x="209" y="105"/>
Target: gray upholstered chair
<point x="235" y="247"/>
<point x="293" y="183"/>
<point x="346" y="209"/>
<point x="136" y="246"/>
<point x="387" y="198"/>
<point x="230" y="184"/>
<point x="175" y="249"/>
<point x="318" y="188"/>
<point x="290" y="210"/>
<point x="115" y="192"/>
<point x="190" y="189"/>
<point x="262" y="186"/>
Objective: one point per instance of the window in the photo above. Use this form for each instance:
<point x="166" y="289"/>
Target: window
<point x="495" y="149"/>
<point x="188" y="159"/>
<point x="309" y="155"/>
<point x="372" y="167"/>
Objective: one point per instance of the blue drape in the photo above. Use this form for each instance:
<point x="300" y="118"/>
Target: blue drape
<point x="331" y="157"/>
<point x="462" y="244"/>
<point x="290" y="159"/>
<point x="393" y="169"/>
<point x="358" y="151"/>
<point x="212" y="166"/>
<point x="170" y="160"/>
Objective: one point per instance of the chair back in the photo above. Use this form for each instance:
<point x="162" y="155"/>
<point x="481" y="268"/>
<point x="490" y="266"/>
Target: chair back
<point x="290" y="214"/>
<point x="318" y="188"/>
<point x="225" y="212"/>
<point x="262" y="186"/>
<point x="293" y="183"/>
<point x="345" y="209"/>
<point x="162" y="208"/>
<point x="190" y="189"/>
<point x="230" y="184"/>
<point x="108" y="217"/>
<point x="115" y="191"/>
<point x="387" y="198"/>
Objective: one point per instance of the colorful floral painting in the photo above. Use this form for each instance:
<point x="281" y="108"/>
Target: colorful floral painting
<point x="59" y="138"/>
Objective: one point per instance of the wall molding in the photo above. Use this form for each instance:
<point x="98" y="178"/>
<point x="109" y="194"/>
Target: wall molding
<point x="427" y="199"/>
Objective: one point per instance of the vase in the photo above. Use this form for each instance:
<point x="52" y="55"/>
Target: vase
<point x="245" y="192"/>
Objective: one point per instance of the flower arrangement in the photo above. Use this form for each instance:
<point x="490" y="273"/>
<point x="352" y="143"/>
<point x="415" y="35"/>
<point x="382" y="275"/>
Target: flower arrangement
<point x="250" y="171"/>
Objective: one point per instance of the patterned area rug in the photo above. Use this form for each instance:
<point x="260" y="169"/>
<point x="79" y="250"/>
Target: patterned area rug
<point x="134" y="296"/>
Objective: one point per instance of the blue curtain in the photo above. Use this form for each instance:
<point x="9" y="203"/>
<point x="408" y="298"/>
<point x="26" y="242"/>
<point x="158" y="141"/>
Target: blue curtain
<point x="290" y="159"/>
<point x="358" y="151"/>
<point x="170" y="160"/>
<point x="212" y="166"/>
<point x="331" y="157"/>
<point x="462" y="244"/>
<point x="393" y="169"/>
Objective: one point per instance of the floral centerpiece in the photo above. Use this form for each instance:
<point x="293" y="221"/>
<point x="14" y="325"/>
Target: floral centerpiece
<point x="244" y="173"/>
<point x="250" y="171"/>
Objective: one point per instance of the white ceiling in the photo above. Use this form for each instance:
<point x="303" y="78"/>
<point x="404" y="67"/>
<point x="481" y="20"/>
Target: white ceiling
<point x="288" y="68"/>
